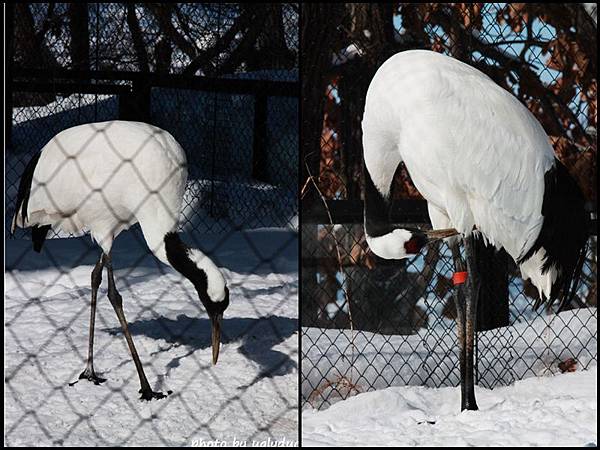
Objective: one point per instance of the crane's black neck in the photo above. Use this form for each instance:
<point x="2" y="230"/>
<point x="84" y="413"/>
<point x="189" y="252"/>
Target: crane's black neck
<point x="377" y="208"/>
<point x="178" y="255"/>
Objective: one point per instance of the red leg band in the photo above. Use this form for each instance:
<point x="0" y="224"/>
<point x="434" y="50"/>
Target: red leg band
<point x="459" y="278"/>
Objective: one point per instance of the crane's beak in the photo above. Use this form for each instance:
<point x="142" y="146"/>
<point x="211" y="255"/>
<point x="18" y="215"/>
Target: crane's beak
<point x="434" y="235"/>
<point x="216" y="336"/>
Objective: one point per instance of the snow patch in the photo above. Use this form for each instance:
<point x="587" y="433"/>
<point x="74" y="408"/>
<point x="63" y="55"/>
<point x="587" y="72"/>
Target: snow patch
<point x="250" y="394"/>
<point x="547" y="411"/>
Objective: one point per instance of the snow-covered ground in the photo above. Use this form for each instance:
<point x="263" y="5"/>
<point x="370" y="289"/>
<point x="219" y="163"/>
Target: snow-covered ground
<point x="546" y="408"/>
<point x="338" y="363"/>
<point x="251" y="394"/>
<point x="547" y="411"/>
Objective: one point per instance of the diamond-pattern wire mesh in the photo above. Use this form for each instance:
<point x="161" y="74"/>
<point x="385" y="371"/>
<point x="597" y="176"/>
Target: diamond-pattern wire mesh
<point x="369" y="324"/>
<point x="252" y="392"/>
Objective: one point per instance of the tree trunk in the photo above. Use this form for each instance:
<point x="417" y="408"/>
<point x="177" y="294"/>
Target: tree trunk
<point x="372" y="28"/>
<point x="30" y="51"/>
<point x="80" y="36"/>
<point x="138" y="41"/>
<point x="272" y="51"/>
<point x="319" y="23"/>
<point x="318" y="30"/>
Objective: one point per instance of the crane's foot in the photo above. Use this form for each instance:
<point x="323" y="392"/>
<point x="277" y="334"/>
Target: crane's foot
<point x="90" y="375"/>
<point x="149" y="394"/>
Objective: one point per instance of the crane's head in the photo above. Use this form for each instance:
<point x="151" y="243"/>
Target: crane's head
<point x="397" y="244"/>
<point x="208" y="280"/>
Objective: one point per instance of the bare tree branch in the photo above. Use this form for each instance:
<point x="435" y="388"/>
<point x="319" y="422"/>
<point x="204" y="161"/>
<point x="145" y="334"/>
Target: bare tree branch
<point x="204" y="59"/>
<point x="162" y="12"/>
<point x="80" y="35"/>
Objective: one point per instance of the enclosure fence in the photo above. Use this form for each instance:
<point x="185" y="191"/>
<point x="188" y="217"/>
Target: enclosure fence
<point x="368" y="323"/>
<point x="222" y="79"/>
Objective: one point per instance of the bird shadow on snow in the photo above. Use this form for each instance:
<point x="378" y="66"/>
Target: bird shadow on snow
<point x="258" y="336"/>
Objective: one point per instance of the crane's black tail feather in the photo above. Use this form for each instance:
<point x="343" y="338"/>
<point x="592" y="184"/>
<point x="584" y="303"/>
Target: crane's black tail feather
<point x="563" y="235"/>
<point x="24" y="191"/>
<point x="38" y="233"/>
<point x="571" y="284"/>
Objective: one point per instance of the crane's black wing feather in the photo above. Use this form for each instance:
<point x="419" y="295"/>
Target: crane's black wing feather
<point x="38" y="233"/>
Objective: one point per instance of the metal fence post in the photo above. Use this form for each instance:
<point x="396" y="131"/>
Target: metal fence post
<point x="8" y="105"/>
<point x="259" y="142"/>
<point x="136" y="104"/>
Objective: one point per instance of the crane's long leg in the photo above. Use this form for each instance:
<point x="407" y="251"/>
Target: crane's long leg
<point x="459" y="302"/>
<point x="89" y="373"/>
<point x="117" y="302"/>
<point x="473" y="290"/>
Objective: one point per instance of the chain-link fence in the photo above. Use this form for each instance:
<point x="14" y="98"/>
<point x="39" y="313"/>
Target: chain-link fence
<point x="368" y="323"/>
<point x="219" y="85"/>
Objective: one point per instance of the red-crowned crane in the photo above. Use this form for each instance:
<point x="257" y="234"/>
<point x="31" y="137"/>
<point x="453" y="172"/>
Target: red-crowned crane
<point x="486" y="168"/>
<point x="103" y="178"/>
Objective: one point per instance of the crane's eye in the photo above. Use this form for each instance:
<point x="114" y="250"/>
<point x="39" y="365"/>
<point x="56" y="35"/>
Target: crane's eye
<point x="415" y="244"/>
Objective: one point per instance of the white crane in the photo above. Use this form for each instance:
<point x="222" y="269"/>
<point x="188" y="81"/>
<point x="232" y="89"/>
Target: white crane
<point x="483" y="162"/>
<point x="103" y="178"/>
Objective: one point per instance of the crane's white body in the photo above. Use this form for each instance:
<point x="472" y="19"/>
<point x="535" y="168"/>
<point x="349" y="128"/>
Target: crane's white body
<point x="104" y="177"/>
<point x="475" y="153"/>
